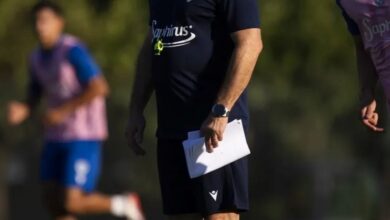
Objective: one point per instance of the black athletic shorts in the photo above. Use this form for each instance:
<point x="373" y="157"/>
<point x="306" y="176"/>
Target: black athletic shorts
<point x="224" y="190"/>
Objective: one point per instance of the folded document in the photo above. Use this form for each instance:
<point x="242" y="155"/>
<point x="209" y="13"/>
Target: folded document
<point x="233" y="147"/>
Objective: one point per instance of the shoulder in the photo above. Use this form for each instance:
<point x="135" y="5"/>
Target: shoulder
<point x="339" y="3"/>
<point x="70" y="41"/>
<point x="75" y="47"/>
<point x="34" y="56"/>
<point x="73" y="44"/>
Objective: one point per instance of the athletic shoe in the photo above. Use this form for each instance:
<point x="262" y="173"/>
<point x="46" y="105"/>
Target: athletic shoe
<point x="134" y="208"/>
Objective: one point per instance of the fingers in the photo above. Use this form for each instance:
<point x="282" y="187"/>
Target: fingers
<point x="138" y="137"/>
<point x="213" y="129"/>
<point x="16" y="113"/>
<point x="134" y="141"/>
<point x="364" y="112"/>
<point x="209" y="145"/>
<point x="372" y="123"/>
<point x="369" y="110"/>
<point x="374" y="119"/>
<point x="370" y="118"/>
<point x="212" y="141"/>
<point x="220" y="135"/>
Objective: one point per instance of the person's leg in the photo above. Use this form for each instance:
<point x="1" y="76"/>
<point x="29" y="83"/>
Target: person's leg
<point x="224" y="216"/>
<point x="53" y="195"/>
<point x="223" y="193"/>
<point x="178" y="196"/>
<point x="52" y="162"/>
<point x="77" y="202"/>
<point x="82" y="170"/>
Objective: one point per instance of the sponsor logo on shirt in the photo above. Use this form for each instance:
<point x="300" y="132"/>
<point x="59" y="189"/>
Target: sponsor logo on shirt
<point x="171" y="36"/>
<point x="378" y="29"/>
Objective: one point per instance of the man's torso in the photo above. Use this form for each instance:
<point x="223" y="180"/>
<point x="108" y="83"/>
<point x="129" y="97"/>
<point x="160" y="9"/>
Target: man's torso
<point x="192" y="63"/>
<point x="58" y="79"/>
<point x="373" y="20"/>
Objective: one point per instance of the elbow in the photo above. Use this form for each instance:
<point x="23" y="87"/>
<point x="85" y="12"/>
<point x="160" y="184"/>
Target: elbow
<point x="99" y="88"/>
<point x="258" y="47"/>
<point x="104" y="90"/>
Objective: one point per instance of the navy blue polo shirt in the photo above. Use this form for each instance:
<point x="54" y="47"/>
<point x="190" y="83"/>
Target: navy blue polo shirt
<point x="192" y="50"/>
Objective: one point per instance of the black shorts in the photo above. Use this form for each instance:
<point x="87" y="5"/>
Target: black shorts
<point x="224" y="190"/>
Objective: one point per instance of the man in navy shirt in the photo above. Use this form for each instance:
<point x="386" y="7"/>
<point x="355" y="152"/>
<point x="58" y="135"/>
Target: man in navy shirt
<point x="198" y="58"/>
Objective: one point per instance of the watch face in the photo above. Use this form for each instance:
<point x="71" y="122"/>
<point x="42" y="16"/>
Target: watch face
<point x="219" y="110"/>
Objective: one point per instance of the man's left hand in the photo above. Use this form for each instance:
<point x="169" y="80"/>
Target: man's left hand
<point x="55" y="116"/>
<point x="213" y="129"/>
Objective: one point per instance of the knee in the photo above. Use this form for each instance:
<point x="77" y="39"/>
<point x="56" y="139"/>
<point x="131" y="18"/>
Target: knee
<point x="217" y="217"/>
<point x="74" y="205"/>
<point x="223" y="217"/>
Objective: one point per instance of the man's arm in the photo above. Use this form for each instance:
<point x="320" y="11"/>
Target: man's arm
<point x="367" y="74"/>
<point x="248" y="46"/>
<point x="368" y="79"/>
<point x="95" y="88"/>
<point x="90" y="78"/>
<point x="142" y="91"/>
<point x="17" y="112"/>
<point x="142" y="86"/>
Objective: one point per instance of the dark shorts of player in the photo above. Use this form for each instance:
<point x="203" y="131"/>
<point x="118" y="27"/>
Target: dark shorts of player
<point x="224" y="190"/>
<point x="72" y="164"/>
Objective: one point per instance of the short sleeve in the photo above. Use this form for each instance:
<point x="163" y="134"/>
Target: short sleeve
<point x="85" y="66"/>
<point x="351" y="24"/>
<point x="240" y="14"/>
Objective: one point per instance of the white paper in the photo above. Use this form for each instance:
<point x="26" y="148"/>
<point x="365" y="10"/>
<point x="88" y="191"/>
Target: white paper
<point x="233" y="147"/>
<point x="194" y="135"/>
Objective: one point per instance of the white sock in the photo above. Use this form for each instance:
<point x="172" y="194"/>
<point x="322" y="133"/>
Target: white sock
<point x="118" y="205"/>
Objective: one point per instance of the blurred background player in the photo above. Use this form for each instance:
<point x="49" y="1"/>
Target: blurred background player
<point x="369" y="22"/>
<point x="62" y="70"/>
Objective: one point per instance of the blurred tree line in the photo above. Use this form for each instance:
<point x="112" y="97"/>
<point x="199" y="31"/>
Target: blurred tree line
<point x="311" y="158"/>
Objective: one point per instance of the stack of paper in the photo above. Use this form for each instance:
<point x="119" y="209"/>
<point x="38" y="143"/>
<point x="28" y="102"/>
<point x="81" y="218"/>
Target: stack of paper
<point x="233" y="147"/>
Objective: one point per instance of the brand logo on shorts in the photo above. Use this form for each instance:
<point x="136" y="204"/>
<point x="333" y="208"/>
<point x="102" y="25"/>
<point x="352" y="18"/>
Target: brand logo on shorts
<point x="214" y="194"/>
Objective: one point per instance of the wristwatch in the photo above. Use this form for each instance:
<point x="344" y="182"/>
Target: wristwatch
<point x="220" y="111"/>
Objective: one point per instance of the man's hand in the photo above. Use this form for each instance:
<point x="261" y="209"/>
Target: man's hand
<point x="370" y="117"/>
<point x="135" y="133"/>
<point x="55" y="116"/>
<point x="17" y="112"/>
<point x="213" y="129"/>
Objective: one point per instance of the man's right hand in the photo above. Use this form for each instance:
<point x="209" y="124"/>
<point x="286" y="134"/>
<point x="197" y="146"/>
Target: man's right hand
<point x="135" y="132"/>
<point x="370" y="117"/>
<point x="17" y="112"/>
